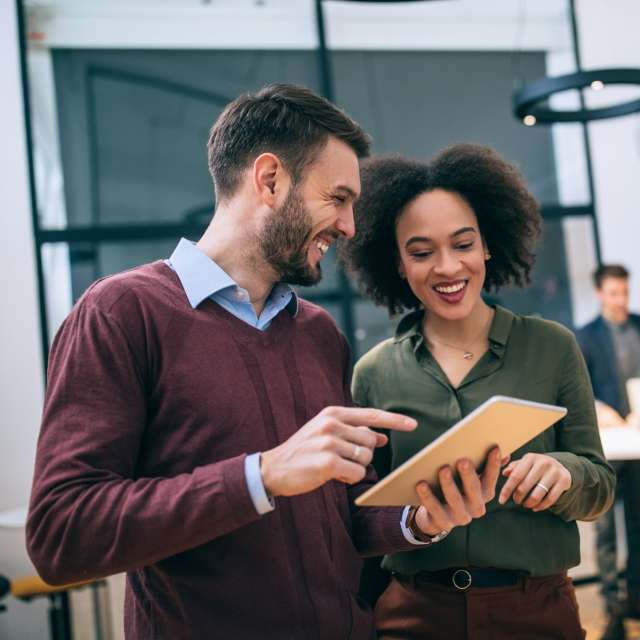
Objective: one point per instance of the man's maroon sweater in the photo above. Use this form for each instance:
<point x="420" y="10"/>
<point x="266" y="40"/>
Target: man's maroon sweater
<point x="151" y="408"/>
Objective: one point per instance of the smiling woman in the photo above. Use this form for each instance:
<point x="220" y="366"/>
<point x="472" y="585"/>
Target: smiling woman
<point x="431" y="237"/>
<point x="476" y="177"/>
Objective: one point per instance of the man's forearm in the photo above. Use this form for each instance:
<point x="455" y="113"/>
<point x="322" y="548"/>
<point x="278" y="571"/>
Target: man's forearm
<point x="96" y="526"/>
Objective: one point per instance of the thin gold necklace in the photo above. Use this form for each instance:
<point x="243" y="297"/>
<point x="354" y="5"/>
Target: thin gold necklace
<point x="467" y="354"/>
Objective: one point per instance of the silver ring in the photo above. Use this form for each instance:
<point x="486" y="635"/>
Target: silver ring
<point x="539" y="484"/>
<point x="356" y="452"/>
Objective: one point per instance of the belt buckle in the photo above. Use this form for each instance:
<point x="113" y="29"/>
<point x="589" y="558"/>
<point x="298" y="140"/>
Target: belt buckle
<point x="461" y="579"/>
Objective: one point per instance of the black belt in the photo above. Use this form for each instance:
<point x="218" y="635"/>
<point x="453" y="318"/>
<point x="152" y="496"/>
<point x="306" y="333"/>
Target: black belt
<point x="462" y="578"/>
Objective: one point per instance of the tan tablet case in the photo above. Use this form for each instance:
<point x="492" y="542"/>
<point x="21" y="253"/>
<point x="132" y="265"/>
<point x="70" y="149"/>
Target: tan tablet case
<point x="503" y="421"/>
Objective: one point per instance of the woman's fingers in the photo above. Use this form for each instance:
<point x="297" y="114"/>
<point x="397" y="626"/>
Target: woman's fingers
<point x="516" y="472"/>
<point x="491" y="473"/>
<point x="455" y="503"/>
<point x="460" y="504"/>
<point x="536" y="482"/>
<point x="551" y="498"/>
<point x="540" y="490"/>
<point x="530" y="480"/>
<point x="438" y="515"/>
<point x="562" y="483"/>
<point x="474" y="500"/>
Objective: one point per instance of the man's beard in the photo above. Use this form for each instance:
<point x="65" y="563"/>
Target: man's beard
<point x="284" y="242"/>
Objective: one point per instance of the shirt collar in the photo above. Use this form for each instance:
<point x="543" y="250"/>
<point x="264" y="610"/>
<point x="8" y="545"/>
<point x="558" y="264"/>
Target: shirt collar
<point x="410" y="327"/>
<point x="617" y="326"/>
<point x="500" y="329"/>
<point x="201" y="277"/>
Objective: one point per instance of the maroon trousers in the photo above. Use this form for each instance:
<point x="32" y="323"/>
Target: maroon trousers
<point x="543" y="608"/>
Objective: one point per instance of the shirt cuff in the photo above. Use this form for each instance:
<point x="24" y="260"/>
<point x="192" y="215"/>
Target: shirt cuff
<point x="409" y="537"/>
<point x="261" y="501"/>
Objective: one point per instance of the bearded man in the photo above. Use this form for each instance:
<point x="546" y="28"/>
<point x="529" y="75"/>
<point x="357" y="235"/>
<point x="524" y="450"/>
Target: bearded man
<point x="198" y="430"/>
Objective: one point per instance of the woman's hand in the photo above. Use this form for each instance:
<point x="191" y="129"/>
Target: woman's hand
<point x="536" y="481"/>
<point x="457" y="507"/>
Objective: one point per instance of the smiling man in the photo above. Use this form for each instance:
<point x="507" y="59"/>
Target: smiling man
<point x="198" y="430"/>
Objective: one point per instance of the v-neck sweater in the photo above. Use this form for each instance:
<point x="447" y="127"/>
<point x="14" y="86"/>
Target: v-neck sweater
<point x="151" y="409"/>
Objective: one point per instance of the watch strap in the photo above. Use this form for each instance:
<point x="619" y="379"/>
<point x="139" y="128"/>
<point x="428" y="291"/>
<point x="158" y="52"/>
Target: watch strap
<point x="418" y="533"/>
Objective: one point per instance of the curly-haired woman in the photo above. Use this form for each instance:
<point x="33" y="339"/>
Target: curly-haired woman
<point x="430" y="238"/>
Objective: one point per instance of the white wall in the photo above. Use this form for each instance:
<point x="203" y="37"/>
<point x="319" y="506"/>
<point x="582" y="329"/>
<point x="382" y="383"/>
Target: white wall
<point x="609" y="38"/>
<point x="470" y="25"/>
<point x="21" y="373"/>
<point x="21" y="364"/>
<point x="573" y="190"/>
<point x="49" y="184"/>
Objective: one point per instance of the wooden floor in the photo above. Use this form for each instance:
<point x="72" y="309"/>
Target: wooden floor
<point x="589" y="600"/>
<point x="592" y="614"/>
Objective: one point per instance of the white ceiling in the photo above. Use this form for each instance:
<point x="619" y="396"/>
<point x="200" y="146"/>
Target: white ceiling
<point x="289" y="24"/>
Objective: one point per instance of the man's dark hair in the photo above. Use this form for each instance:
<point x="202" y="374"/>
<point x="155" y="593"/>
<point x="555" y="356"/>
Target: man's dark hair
<point x="286" y="119"/>
<point x="508" y="217"/>
<point x="609" y="271"/>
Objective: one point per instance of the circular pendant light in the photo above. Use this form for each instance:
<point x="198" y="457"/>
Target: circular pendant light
<point x="528" y="103"/>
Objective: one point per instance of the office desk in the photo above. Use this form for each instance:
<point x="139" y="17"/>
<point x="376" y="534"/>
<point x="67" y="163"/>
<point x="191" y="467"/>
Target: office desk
<point x="621" y="443"/>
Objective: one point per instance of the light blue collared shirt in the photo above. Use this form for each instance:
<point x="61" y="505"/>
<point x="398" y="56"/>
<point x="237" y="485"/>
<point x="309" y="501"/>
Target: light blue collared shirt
<point x="202" y="278"/>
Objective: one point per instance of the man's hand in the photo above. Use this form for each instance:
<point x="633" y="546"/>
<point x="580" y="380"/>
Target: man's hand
<point x="608" y="417"/>
<point x="458" y="507"/>
<point x="335" y="445"/>
<point x="536" y="481"/>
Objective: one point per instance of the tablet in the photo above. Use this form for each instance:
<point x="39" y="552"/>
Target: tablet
<point x="500" y="421"/>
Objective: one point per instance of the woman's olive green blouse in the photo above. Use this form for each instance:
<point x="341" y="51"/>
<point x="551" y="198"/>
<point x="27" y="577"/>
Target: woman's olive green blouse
<point x="528" y="358"/>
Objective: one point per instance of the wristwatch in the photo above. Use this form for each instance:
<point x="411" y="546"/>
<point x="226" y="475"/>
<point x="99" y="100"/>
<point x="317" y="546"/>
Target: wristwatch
<point x="418" y="533"/>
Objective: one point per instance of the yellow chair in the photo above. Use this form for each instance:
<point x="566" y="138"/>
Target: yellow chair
<point x="29" y="587"/>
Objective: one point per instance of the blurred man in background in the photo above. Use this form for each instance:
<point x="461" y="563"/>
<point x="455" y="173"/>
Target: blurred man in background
<point x="611" y="347"/>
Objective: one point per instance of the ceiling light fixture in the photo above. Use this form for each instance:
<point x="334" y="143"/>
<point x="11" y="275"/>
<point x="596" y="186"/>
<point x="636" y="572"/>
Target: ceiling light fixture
<point x="529" y="102"/>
